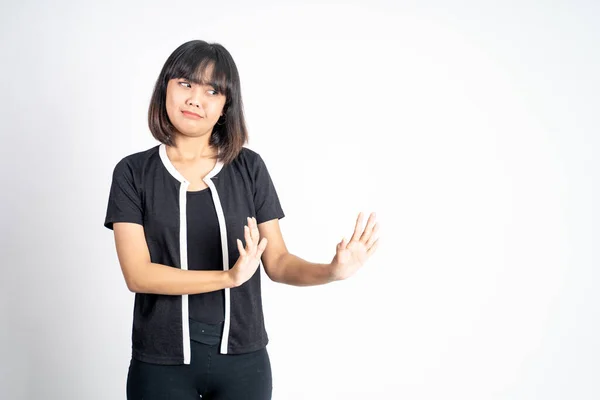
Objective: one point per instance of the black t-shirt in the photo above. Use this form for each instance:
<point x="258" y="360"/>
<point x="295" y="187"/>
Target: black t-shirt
<point x="204" y="253"/>
<point x="148" y="190"/>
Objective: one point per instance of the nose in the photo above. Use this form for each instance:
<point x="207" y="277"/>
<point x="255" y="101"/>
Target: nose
<point x="195" y="99"/>
<point x="194" y="103"/>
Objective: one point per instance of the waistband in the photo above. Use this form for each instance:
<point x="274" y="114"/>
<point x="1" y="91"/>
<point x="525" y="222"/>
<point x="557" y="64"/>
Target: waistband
<point x="206" y="333"/>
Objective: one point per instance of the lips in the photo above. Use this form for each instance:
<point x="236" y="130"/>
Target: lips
<point x="191" y="114"/>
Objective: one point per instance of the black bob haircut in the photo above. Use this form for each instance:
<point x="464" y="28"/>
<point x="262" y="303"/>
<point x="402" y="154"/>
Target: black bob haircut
<point x="191" y="61"/>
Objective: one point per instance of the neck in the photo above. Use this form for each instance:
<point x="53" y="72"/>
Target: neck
<point x="189" y="149"/>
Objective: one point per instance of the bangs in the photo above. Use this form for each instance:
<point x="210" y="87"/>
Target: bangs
<point x="202" y="68"/>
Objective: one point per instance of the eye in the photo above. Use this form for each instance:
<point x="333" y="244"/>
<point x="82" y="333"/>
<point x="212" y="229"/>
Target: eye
<point x="184" y="83"/>
<point x="213" y="92"/>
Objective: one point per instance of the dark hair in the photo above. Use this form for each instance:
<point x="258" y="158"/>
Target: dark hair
<point x="190" y="61"/>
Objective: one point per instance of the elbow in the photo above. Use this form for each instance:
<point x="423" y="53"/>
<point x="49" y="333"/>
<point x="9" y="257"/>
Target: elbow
<point x="270" y="272"/>
<point x="274" y="268"/>
<point x="273" y="276"/>
<point x="136" y="277"/>
<point x="133" y="289"/>
<point x="133" y="284"/>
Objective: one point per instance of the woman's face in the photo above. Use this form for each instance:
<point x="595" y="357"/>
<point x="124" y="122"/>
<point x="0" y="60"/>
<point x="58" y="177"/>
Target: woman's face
<point x="193" y="109"/>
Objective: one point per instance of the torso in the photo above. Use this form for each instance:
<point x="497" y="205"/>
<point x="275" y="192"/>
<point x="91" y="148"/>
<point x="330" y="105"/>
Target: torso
<point x="151" y="180"/>
<point x="195" y="173"/>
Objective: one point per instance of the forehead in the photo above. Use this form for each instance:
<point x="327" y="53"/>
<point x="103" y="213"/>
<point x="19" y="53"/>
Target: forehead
<point x="207" y="74"/>
<point x="203" y="73"/>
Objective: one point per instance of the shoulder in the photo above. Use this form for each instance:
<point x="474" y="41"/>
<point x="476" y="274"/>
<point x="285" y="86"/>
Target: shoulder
<point x="135" y="162"/>
<point x="248" y="155"/>
<point x="249" y="164"/>
<point x="250" y="158"/>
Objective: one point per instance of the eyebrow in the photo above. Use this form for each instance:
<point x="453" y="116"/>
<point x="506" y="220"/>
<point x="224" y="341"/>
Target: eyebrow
<point x="201" y="82"/>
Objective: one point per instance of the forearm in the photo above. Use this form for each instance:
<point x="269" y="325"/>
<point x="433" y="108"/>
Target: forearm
<point x="293" y="270"/>
<point x="162" y="279"/>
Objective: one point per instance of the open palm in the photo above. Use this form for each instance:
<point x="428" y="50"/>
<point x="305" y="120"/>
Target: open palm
<point x="352" y="255"/>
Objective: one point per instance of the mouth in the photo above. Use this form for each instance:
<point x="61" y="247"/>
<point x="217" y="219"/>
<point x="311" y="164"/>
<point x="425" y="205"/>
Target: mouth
<point x="191" y="115"/>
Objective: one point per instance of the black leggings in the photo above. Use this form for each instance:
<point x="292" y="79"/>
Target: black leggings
<point x="210" y="376"/>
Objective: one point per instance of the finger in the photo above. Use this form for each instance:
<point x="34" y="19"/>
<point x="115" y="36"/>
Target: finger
<point x="373" y="236"/>
<point x="248" y="238"/>
<point x="369" y="228"/>
<point x="250" y="223"/>
<point x="254" y="230"/>
<point x="343" y="244"/>
<point x="241" y="248"/>
<point x="373" y="248"/>
<point x="250" y="228"/>
<point x="261" y="248"/>
<point x="357" y="227"/>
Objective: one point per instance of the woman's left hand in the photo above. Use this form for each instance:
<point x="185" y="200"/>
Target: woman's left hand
<point x="351" y="256"/>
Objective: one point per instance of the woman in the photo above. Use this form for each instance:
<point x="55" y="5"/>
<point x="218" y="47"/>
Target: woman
<point x="178" y="211"/>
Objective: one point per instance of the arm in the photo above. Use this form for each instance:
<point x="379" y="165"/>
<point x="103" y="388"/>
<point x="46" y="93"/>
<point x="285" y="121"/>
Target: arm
<point x="143" y="276"/>
<point x="283" y="267"/>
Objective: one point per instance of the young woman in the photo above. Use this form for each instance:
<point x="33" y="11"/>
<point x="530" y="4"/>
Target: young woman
<point x="179" y="211"/>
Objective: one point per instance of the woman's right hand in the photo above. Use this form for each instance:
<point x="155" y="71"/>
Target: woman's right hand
<point x="249" y="258"/>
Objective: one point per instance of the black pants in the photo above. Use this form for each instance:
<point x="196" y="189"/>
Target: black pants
<point x="210" y="376"/>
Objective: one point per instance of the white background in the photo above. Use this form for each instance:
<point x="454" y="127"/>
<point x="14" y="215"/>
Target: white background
<point x="470" y="127"/>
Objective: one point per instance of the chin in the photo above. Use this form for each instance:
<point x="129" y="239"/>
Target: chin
<point x="187" y="127"/>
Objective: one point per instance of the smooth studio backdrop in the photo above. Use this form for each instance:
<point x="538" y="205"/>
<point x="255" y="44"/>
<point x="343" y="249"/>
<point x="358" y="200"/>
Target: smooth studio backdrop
<point x="471" y="128"/>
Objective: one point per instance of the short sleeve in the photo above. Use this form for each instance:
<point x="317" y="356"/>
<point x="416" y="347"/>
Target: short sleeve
<point x="124" y="201"/>
<point x="266" y="201"/>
